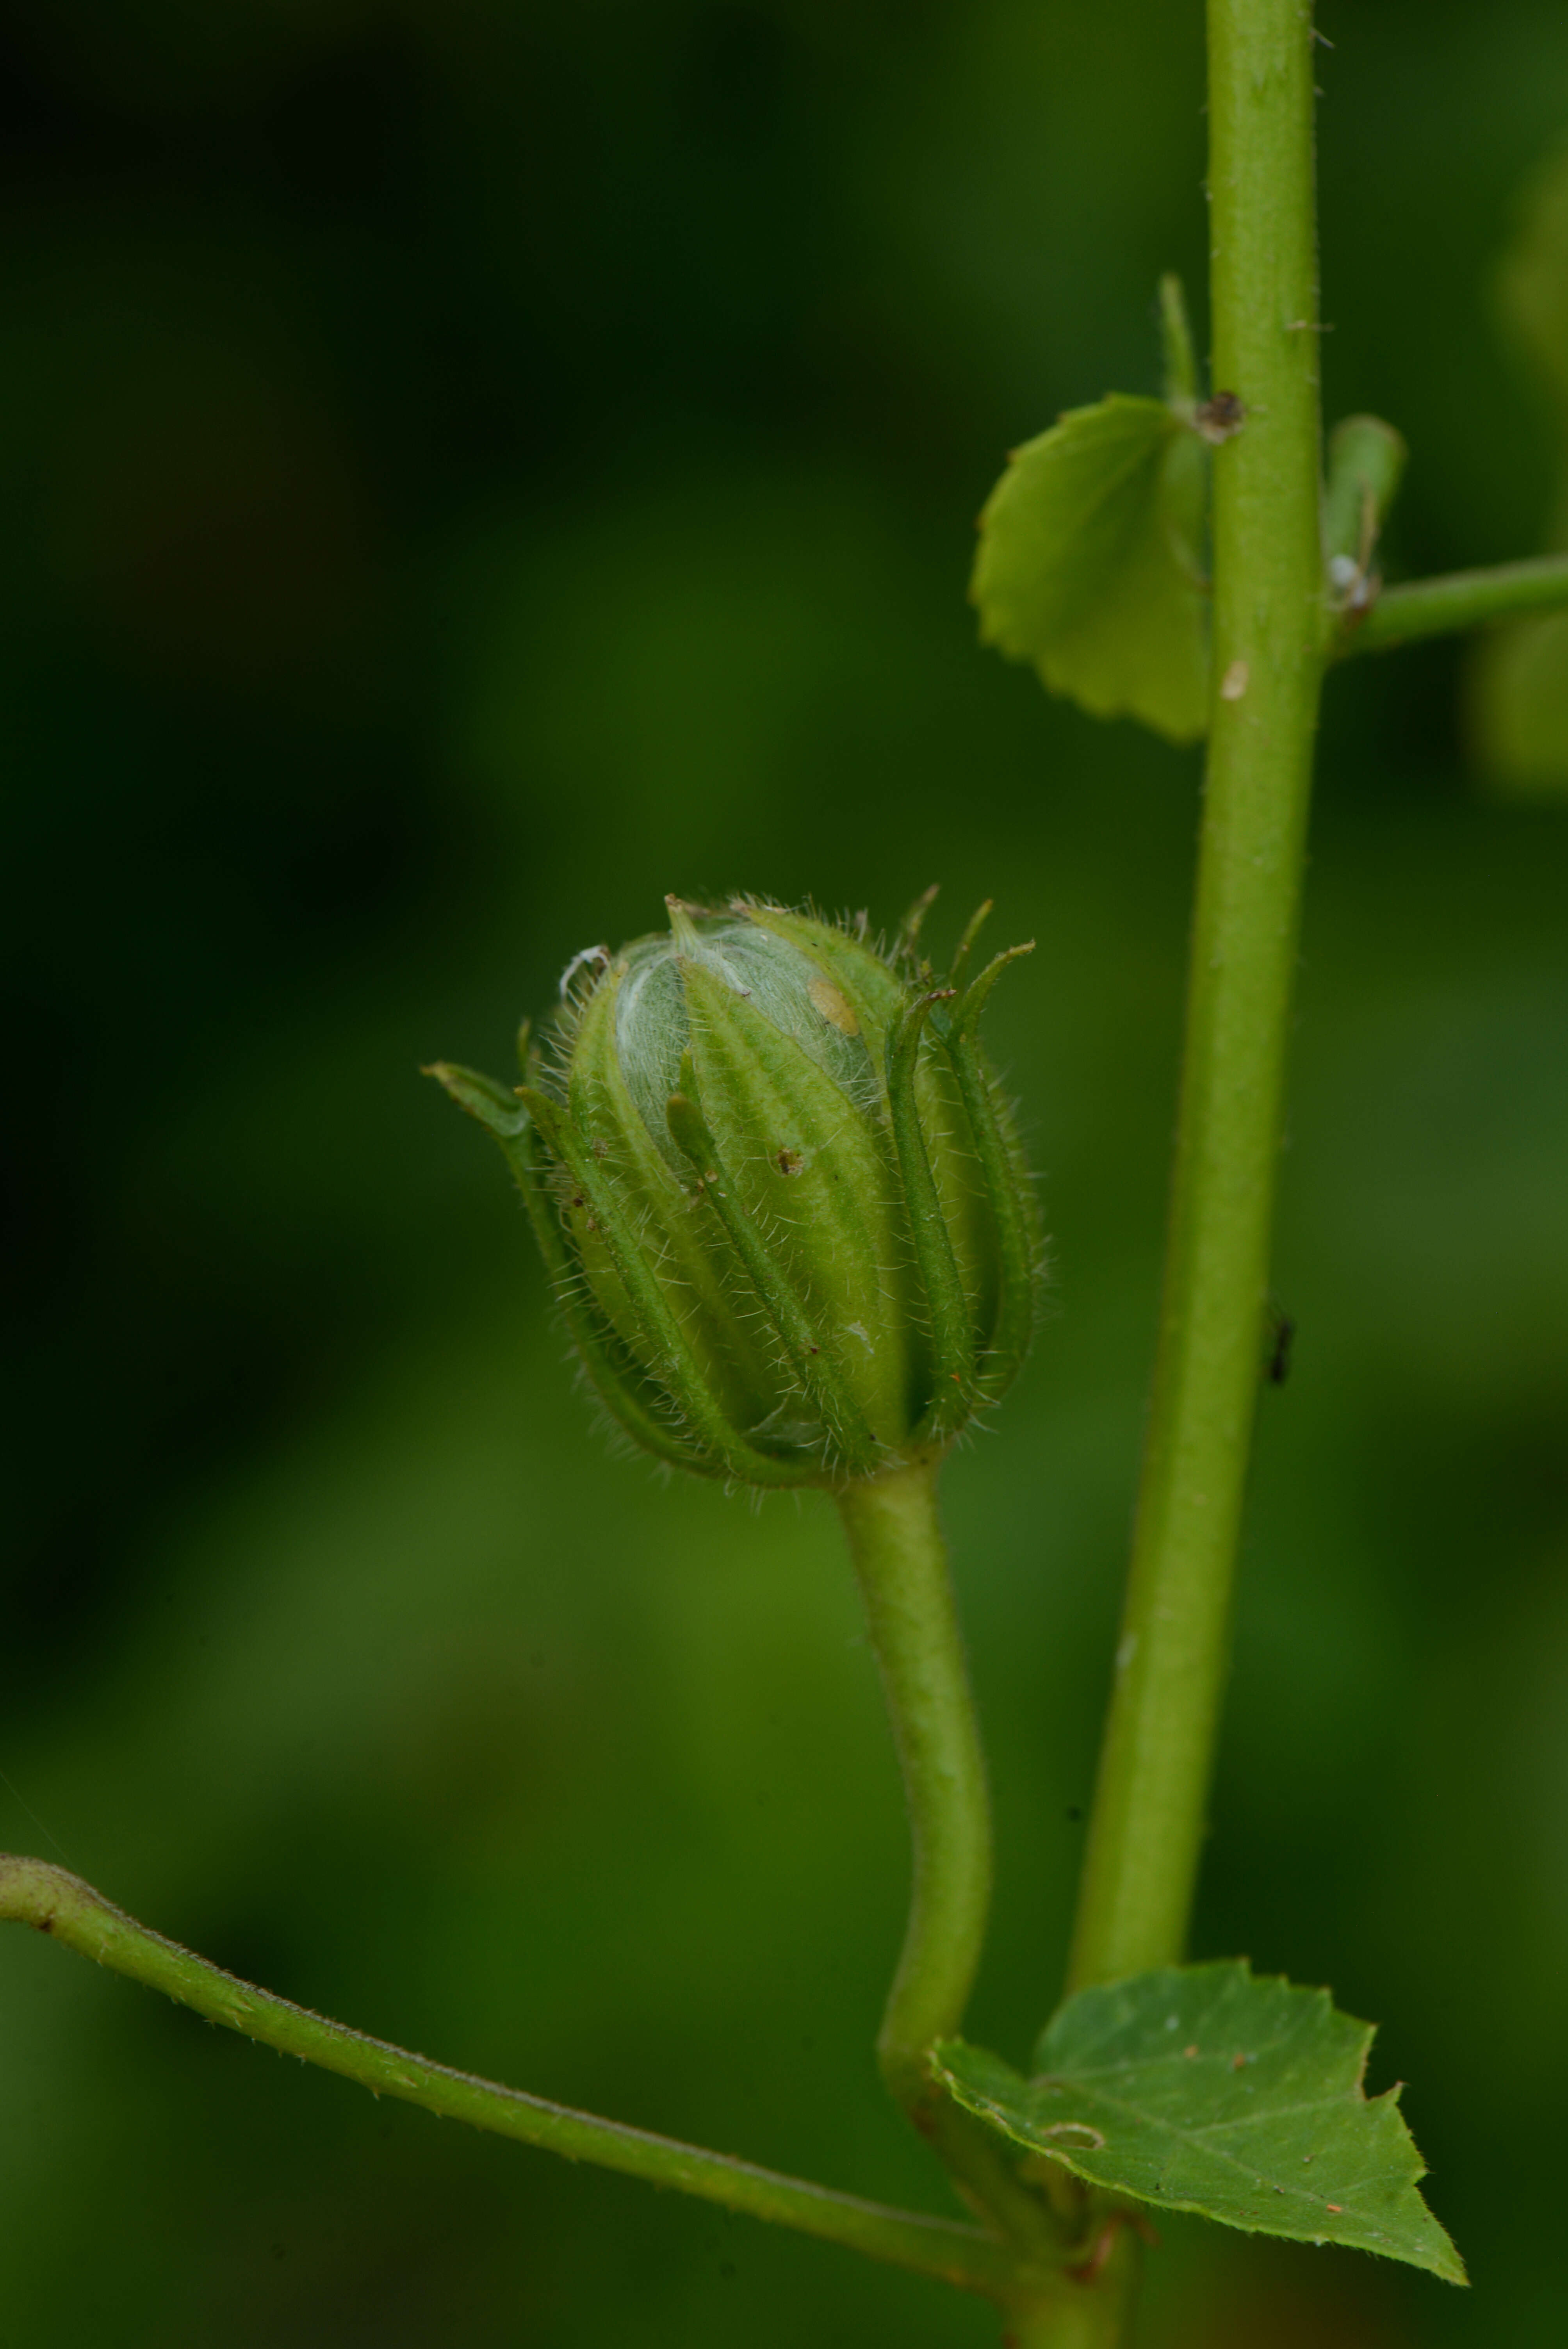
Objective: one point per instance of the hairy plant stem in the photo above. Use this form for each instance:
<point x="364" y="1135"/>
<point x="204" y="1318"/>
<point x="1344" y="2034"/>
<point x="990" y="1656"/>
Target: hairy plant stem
<point x="33" y="1892"/>
<point x="896" y="1542"/>
<point x="1270" y="626"/>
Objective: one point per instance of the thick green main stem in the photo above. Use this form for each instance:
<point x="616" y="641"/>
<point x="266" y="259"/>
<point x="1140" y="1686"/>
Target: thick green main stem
<point x="32" y="1892"/>
<point x="1269" y="626"/>
<point x="1082" y="2316"/>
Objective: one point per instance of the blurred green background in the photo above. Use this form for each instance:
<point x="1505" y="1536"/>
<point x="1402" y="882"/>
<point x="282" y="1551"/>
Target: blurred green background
<point x="473" y="467"/>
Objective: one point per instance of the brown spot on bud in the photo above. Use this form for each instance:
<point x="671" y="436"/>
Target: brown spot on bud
<point x="834" y="1007"/>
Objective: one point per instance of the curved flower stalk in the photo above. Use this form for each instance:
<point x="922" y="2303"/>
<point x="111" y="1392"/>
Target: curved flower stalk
<point x="778" y="1193"/>
<point x="787" y="1217"/>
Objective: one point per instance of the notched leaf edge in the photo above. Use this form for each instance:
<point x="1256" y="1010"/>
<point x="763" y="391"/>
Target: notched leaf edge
<point x="1334" y="2044"/>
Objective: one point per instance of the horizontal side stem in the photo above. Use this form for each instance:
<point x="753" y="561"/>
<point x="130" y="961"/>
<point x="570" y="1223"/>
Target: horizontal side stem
<point x="33" y="1892"/>
<point x="1457" y="599"/>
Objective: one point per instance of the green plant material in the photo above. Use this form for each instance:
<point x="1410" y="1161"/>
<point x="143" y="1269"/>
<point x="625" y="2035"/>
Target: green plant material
<point x="1533" y="281"/>
<point x="901" y="1559"/>
<point x="1090" y="559"/>
<point x="786" y="1214"/>
<point x="1455" y="600"/>
<point x="1518" y="684"/>
<point x="34" y="1892"/>
<point x="1146" y="1833"/>
<point x="1204" y="2088"/>
<point x="1006" y="1178"/>
<point x="776" y="1184"/>
<point x="1367" y="461"/>
<point x="941" y="1280"/>
<point x="1518" y="707"/>
<point x="1176" y="343"/>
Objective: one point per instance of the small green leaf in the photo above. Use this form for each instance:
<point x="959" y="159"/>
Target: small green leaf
<point x="1176" y="340"/>
<point x="1201" y="2088"/>
<point x="1088" y="564"/>
<point x="1366" y="463"/>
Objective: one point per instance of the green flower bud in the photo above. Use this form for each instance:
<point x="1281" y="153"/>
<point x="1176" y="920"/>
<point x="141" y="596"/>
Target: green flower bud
<point x="778" y="1191"/>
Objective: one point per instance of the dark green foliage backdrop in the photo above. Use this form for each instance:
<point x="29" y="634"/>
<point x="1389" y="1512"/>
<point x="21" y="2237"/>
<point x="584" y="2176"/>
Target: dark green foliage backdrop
<point x="472" y="467"/>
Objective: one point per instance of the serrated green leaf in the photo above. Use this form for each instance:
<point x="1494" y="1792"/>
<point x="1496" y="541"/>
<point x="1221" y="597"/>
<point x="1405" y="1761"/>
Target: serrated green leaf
<point x="1201" y="2088"/>
<point x="1088" y="564"/>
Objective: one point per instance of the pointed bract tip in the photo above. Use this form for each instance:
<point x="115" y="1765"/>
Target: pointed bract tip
<point x="977" y="921"/>
<point x="683" y="929"/>
<point x="492" y="1104"/>
<point x="910" y="927"/>
<point x="979" y="989"/>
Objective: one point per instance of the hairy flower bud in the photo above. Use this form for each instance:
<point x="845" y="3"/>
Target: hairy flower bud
<point x="778" y="1191"/>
